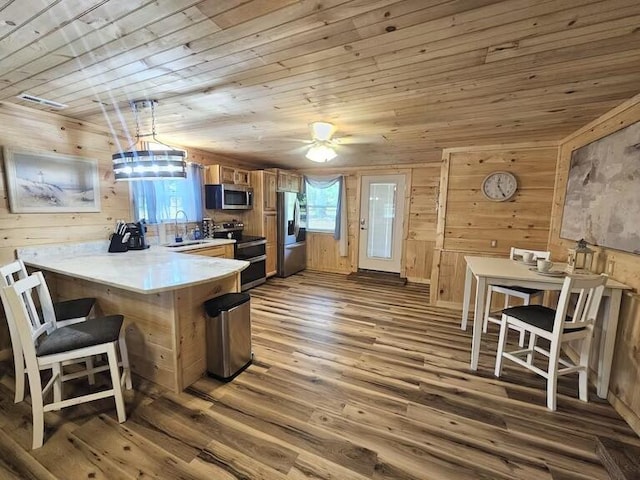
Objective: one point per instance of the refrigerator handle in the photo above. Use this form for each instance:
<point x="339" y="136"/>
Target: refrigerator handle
<point x="296" y="218"/>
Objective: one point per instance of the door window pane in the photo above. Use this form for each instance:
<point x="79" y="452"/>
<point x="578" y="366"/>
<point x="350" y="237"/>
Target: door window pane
<point x="322" y="206"/>
<point x="381" y="216"/>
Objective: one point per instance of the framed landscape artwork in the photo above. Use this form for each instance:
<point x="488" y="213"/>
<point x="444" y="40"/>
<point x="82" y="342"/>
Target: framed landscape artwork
<point x="602" y="204"/>
<point x="40" y="182"/>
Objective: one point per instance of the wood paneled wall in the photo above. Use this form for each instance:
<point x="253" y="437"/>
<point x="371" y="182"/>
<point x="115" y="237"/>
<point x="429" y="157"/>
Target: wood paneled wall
<point x="323" y="251"/>
<point x="28" y="128"/>
<point x="35" y="130"/>
<point x="468" y="223"/>
<point x="625" y="378"/>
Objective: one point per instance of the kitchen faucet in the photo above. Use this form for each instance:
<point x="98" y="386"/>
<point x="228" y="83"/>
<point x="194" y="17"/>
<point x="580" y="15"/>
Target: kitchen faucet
<point x="186" y="221"/>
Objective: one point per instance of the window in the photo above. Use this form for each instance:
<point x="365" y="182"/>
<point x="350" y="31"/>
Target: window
<point x="159" y="200"/>
<point x="322" y="206"/>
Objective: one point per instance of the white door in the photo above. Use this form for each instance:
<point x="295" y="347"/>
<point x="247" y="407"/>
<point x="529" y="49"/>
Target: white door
<point x="381" y="222"/>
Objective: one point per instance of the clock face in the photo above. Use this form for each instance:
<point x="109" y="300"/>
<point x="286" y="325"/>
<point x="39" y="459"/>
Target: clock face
<point x="499" y="186"/>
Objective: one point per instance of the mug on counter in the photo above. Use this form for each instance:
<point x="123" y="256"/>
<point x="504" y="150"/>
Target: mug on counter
<point x="528" y="257"/>
<point x="544" y="265"/>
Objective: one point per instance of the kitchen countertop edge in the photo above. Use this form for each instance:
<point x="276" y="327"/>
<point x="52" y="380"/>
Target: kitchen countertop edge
<point x="59" y="255"/>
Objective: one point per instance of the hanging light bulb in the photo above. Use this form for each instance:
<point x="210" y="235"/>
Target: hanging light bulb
<point x="321" y="152"/>
<point x="148" y="164"/>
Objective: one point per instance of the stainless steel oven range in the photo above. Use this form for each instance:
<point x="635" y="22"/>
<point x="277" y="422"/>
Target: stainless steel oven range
<point x="249" y="248"/>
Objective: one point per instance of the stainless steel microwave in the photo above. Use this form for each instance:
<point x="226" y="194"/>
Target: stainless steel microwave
<point x="228" y="197"/>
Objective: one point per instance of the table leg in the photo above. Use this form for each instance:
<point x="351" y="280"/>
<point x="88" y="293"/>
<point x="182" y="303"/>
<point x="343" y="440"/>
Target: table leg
<point x="607" y="343"/>
<point x="481" y="290"/>
<point x="467" y="298"/>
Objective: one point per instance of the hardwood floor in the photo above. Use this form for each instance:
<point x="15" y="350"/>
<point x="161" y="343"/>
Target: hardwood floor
<point x="349" y="382"/>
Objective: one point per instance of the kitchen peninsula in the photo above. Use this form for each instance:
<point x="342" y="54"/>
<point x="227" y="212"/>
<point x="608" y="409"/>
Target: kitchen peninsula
<point x="160" y="292"/>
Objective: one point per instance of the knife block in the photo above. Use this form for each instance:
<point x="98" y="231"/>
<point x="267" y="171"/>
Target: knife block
<point x="116" y="244"/>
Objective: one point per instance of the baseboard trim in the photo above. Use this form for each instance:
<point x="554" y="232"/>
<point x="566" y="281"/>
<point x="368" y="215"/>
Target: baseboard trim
<point x="625" y="412"/>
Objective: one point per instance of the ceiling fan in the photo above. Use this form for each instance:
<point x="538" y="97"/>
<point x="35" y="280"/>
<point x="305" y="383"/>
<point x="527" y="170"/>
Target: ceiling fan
<point x="322" y="148"/>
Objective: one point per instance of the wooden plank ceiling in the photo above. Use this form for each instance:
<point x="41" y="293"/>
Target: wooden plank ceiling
<point x="400" y="79"/>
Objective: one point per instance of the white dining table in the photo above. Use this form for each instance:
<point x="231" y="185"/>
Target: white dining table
<point x="507" y="272"/>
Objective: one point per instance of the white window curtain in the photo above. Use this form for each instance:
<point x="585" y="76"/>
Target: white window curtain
<point x="341" y="232"/>
<point x="158" y="201"/>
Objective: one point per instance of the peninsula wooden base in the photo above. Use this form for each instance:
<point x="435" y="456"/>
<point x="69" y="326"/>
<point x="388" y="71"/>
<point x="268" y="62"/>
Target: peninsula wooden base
<point x="165" y="331"/>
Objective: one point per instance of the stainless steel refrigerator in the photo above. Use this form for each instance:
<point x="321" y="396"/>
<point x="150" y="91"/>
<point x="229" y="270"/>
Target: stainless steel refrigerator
<point x="292" y="222"/>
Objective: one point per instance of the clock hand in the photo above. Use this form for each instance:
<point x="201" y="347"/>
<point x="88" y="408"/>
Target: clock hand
<point x="501" y="191"/>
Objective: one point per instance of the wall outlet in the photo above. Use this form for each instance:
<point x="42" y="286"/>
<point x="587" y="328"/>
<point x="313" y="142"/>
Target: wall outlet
<point x="494" y="243"/>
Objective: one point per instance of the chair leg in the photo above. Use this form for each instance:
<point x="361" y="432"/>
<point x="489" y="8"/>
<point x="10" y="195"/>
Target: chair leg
<point x="115" y="379"/>
<point x="552" y="375"/>
<point x="532" y="346"/>
<point x="525" y="301"/>
<point x="583" y="379"/>
<point x="56" y="370"/>
<point x="487" y="310"/>
<point x="502" y="341"/>
<point x="89" y="365"/>
<point x="37" y="407"/>
<point x="124" y="358"/>
<point x="18" y="361"/>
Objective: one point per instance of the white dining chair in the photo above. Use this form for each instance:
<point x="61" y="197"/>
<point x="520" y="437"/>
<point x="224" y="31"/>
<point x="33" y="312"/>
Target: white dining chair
<point x="47" y="346"/>
<point x="65" y="313"/>
<point x="524" y="293"/>
<point x="558" y="327"/>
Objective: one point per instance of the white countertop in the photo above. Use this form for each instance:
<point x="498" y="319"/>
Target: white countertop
<point x="153" y="270"/>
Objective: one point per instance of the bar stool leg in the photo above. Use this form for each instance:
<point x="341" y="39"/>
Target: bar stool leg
<point x="115" y="379"/>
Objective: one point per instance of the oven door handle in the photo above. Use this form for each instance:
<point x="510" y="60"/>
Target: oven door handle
<point x="250" y="244"/>
<point x="261" y="258"/>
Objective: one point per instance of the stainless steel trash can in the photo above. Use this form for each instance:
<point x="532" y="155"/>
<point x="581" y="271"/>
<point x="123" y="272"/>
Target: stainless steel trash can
<point x="228" y="331"/>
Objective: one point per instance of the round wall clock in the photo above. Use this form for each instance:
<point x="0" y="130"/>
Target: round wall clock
<point x="499" y="186"/>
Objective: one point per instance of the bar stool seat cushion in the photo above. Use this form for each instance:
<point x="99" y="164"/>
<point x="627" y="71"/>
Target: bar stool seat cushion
<point x="536" y="315"/>
<point x="76" y="308"/>
<point x="95" y="331"/>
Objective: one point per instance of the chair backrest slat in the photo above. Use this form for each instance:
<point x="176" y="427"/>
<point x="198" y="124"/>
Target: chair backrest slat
<point x="589" y="292"/>
<point x="519" y="252"/>
<point x="9" y="274"/>
<point x="30" y="325"/>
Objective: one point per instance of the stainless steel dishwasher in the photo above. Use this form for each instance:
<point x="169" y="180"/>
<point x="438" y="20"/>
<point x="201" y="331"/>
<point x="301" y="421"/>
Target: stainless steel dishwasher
<point x="228" y="332"/>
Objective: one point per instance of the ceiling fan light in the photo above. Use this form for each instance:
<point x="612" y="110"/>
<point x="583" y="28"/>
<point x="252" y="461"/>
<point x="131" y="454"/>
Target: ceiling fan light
<point x="321" y="153"/>
<point x="322" y="131"/>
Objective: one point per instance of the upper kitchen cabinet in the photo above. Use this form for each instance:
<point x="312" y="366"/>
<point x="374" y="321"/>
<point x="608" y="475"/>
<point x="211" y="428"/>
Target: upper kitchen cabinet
<point x="289" y="182"/>
<point x="225" y="174"/>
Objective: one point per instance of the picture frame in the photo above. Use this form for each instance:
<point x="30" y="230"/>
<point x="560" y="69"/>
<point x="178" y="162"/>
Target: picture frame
<point x="43" y="182"/>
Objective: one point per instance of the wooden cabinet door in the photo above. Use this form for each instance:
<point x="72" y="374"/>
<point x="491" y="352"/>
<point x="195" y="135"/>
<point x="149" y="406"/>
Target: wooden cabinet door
<point x="272" y="260"/>
<point x="270" y="195"/>
<point x="227" y="175"/>
<point x="242" y="177"/>
<point x="294" y="182"/>
<point x="271" y="228"/>
<point x="282" y="182"/>
<point x="211" y="174"/>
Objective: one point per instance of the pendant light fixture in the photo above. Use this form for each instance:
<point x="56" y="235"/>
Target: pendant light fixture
<point x="321" y="149"/>
<point x="148" y="164"/>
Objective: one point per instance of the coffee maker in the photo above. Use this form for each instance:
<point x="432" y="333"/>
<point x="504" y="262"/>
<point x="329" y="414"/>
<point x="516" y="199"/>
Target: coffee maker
<point x="137" y="240"/>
